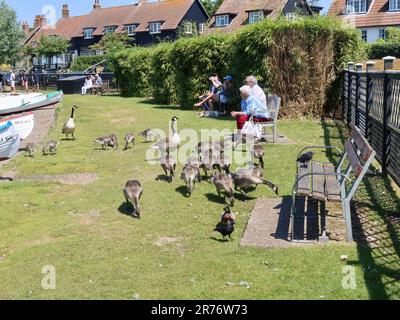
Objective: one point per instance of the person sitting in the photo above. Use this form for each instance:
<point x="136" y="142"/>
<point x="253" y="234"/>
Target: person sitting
<point x="251" y="107"/>
<point x="256" y="89"/>
<point x="98" y="84"/>
<point x="208" y="99"/>
<point x="88" y="84"/>
<point x="225" y="95"/>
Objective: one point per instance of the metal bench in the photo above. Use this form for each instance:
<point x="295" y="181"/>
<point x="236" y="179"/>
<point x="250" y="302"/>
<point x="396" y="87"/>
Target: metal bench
<point x="325" y="182"/>
<point x="273" y="105"/>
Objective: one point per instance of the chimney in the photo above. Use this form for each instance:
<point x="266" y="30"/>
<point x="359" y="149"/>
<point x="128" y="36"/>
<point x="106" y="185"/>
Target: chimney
<point x="25" y="27"/>
<point x="38" y="22"/>
<point x="65" y="11"/>
<point x="96" y="4"/>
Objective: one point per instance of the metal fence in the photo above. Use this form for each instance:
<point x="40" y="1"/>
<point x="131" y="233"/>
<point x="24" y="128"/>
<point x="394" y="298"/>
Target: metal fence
<point x="371" y="101"/>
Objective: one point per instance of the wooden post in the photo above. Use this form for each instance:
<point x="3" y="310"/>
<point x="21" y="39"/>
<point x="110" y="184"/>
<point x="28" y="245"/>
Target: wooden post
<point x="388" y="63"/>
<point x="358" y="85"/>
<point x="386" y="116"/>
<point x="369" y="101"/>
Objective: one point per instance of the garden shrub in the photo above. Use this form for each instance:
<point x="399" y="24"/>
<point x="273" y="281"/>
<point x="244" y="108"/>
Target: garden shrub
<point x="380" y="50"/>
<point x="162" y="78"/>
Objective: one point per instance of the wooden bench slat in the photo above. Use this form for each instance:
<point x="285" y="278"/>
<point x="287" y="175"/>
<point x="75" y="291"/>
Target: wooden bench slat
<point x="361" y="143"/>
<point x="318" y="181"/>
<point x="303" y="187"/>
<point x="353" y="158"/>
<point x="331" y="184"/>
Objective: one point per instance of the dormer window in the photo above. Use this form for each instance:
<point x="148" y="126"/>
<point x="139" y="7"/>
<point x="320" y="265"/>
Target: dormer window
<point x="222" y="20"/>
<point x="110" y="29"/>
<point x="88" y="33"/>
<point x="155" y="27"/>
<point x="356" y="6"/>
<point x="394" y="5"/>
<point x="130" y="29"/>
<point x="188" y="28"/>
<point x="256" y="16"/>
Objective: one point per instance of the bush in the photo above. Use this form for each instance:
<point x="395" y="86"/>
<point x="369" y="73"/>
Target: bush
<point x="162" y="77"/>
<point x="380" y="50"/>
<point x="84" y="62"/>
<point x="194" y="59"/>
<point x="132" y="69"/>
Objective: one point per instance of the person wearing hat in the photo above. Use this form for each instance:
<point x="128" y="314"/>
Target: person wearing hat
<point x="225" y="94"/>
<point x="207" y="100"/>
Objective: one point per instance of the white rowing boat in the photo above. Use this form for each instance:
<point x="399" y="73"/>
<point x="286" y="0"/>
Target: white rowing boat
<point x="23" y="123"/>
<point x="9" y="141"/>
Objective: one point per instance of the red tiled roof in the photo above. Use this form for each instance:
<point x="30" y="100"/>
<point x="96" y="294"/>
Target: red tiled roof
<point x="241" y="8"/>
<point x="377" y="15"/>
<point x="170" y="12"/>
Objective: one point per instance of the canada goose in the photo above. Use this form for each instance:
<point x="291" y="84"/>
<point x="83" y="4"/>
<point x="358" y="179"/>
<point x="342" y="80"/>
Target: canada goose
<point x="69" y="126"/>
<point x="246" y="180"/>
<point x="305" y="158"/>
<point x="222" y="162"/>
<point x="201" y="146"/>
<point x="30" y="149"/>
<point x="190" y="175"/>
<point x="114" y="141"/>
<point x="129" y="138"/>
<point x="104" y="142"/>
<point x="226" y="226"/>
<point x="133" y="192"/>
<point x="149" y="135"/>
<point x="238" y="138"/>
<point x="253" y="169"/>
<point x="170" y="143"/>
<point x="194" y="161"/>
<point x="224" y="182"/>
<point x="51" y="147"/>
<point x="207" y="161"/>
<point x="257" y="152"/>
<point x="168" y="163"/>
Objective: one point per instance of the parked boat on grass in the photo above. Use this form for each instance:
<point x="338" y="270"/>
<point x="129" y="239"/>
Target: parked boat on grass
<point x="23" y="123"/>
<point x="23" y="102"/>
<point x="9" y="141"/>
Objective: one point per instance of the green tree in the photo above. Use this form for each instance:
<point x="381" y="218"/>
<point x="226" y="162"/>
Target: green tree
<point x="52" y="46"/>
<point x="11" y="35"/>
<point x="393" y="34"/>
<point x="112" y="42"/>
<point x="211" y="6"/>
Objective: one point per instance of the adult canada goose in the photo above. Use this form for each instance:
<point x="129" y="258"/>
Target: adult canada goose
<point x="257" y="152"/>
<point x="51" y="147"/>
<point x="243" y="181"/>
<point x="69" y="126"/>
<point x="168" y="163"/>
<point x="224" y="182"/>
<point x="172" y="142"/>
<point x="129" y="138"/>
<point x="190" y="175"/>
<point x="133" y="192"/>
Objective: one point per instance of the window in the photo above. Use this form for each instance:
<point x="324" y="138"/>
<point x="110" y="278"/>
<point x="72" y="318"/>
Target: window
<point x="155" y="27"/>
<point x="290" y="16"/>
<point x="394" y="5"/>
<point x="130" y="29"/>
<point x="222" y="21"/>
<point x="202" y="27"/>
<point x="255" y="16"/>
<point x="110" y="29"/>
<point x="382" y="34"/>
<point x="88" y="33"/>
<point x="364" y="35"/>
<point x="188" y="28"/>
<point x="356" y="6"/>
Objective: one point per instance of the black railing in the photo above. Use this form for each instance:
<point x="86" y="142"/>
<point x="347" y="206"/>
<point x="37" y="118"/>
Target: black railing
<point x="371" y="101"/>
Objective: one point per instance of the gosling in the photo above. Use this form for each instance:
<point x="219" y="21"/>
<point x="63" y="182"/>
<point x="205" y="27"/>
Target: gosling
<point x="50" y="147"/>
<point x="114" y="141"/>
<point x="149" y="135"/>
<point x="224" y="182"/>
<point x="30" y="149"/>
<point x="194" y="161"/>
<point x="257" y="152"/>
<point x="104" y="142"/>
<point x="190" y="175"/>
<point x="243" y="181"/>
<point x="168" y="163"/>
<point x="133" y="192"/>
<point x="129" y="139"/>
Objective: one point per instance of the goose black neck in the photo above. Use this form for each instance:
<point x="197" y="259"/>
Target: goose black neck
<point x="72" y="113"/>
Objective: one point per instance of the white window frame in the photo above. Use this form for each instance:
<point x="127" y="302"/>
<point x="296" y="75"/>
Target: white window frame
<point x="364" y="35"/>
<point x="291" y="16"/>
<point x="356" y="6"/>
<point x="188" y="28"/>
<point x="110" y="29"/>
<point x="222" y="20"/>
<point x="382" y="33"/>
<point x="202" y="27"/>
<point x="155" y="27"/>
<point x="394" y="5"/>
<point x="88" y="33"/>
<point x="256" y="16"/>
<point x="130" y="29"/>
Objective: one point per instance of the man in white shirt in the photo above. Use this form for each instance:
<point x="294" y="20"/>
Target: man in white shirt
<point x="257" y="92"/>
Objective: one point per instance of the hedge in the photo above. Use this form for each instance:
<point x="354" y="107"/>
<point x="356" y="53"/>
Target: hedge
<point x="382" y="49"/>
<point x="84" y="62"/>
<point x="300" y="60"/>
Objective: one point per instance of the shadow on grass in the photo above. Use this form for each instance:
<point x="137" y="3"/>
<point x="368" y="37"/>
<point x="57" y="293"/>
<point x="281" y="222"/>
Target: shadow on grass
<point x="183" y="191"/>
<point x="376" y="227"/>
<point x="127" y="209"/>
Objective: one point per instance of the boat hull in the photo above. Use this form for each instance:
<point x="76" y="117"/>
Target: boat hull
<point x="23" y="124"/>
<point x="9" y="141"/>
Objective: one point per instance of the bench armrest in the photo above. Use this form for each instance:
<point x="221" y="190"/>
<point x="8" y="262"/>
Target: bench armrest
<point x="319" y="147"/>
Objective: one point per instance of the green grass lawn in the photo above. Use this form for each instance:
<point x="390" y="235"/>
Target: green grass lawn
<point x="100" y="253"/>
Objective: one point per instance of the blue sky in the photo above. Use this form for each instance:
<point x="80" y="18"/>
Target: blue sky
<point x="27" y="10"/>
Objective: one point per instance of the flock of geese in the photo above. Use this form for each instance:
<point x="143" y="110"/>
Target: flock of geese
<point x="208" y="156"/>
